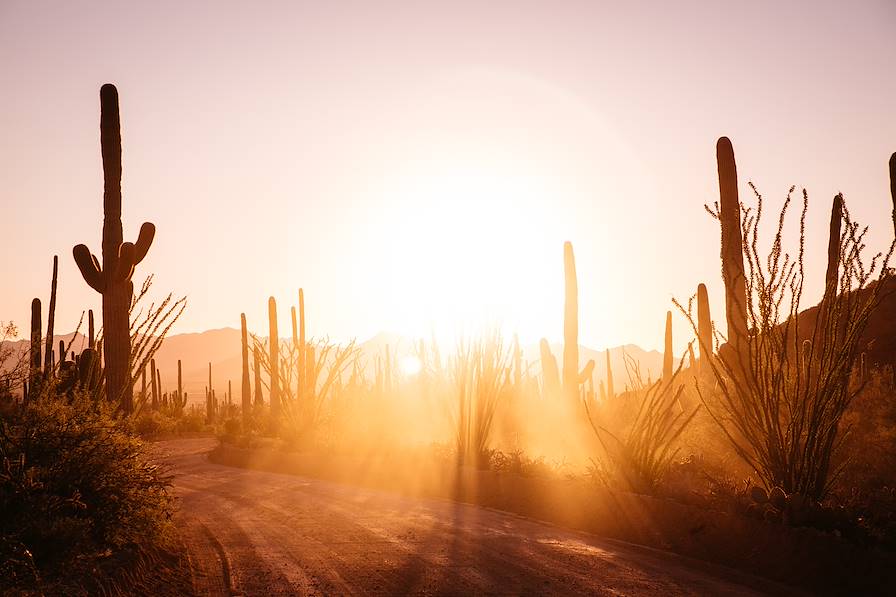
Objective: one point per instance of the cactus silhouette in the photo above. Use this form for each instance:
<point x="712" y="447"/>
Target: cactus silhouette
<point x="112" y="278"/>
<point x="611" y="393"/>
<point x="36" y="335"/>
<point x="831" y="277"/>
<point x="301" y="365"/>
<point x="274" y="341"/>
<point x="246" y="387"/>
<point x="259" y="395"/>
<point x="732" y="247"/>
<point x="704" y="328"/>
<point x="893" y="187"/>
<point x="570" y="323"/>
<point x="549" y="369"/>
<point x="667" y="349"/>
<point x="51" y="318"/>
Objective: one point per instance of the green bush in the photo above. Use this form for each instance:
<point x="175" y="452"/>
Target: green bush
<point x="75" y="482"/>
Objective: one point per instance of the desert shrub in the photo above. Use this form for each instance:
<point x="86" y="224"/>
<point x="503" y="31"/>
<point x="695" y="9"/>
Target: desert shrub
<point x="74" y="481"/>
<point x="480" y="379"/>
<point x="638" y="433"/>
<point x="780" y="397"/>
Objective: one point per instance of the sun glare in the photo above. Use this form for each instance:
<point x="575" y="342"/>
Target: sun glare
<point x="410" y="365"/>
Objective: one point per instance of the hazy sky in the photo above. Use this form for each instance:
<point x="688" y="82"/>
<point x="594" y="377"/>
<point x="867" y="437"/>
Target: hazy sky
<point x="413" y="161"/>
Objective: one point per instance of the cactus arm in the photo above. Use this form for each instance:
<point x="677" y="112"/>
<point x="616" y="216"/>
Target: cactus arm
<point x="89" y="267"/>
<point x="127" y="255"/>
<point x="585" y="374"/>
<point x="144" y="240"/>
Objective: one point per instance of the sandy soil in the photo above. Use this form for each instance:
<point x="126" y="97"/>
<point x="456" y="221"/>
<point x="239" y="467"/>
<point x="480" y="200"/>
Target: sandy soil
<point x="258" y="533"/>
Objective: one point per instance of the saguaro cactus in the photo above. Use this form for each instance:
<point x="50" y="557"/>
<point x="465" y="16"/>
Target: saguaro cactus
<point x="704" y="327"/>
<point x="833" y="271"/>
<point x="667" y="351"/>
<point x="549" y="369"/>
<point x="611" y="392"/>
<point x="301" y="365"/>
<point x="180" y="386"/>
<point x="274" y="340"/>
<point x="91" y="339"/>
<point x="732" y="247"/>
<point x="570" y="324"/>
<point x="34" y="360"/>
<point x="112" y="279"/>
<point x="246" y="388"/>
<point x="259" y="395"/>
<point x="893" y="187"/>
<point x="51" y="318"/>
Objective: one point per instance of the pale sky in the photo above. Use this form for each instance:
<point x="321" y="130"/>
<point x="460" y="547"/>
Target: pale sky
<point x="417" y="164"/>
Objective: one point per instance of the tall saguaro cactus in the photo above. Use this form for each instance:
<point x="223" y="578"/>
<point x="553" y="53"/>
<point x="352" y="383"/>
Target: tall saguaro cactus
<point x="246" y="396"/>
<point x="732" y="247"/>
<point x="112" y="278"/>
<point x="704" y="328"/>
<point x="51" y="318"/>
<point x="893" y="187"/>
<point x="274" y="340"/>
<point x="570" y="378"/>
<point x="35" y="372"/>
<point x="667" y="350"/>
<point x="833" y="271"/>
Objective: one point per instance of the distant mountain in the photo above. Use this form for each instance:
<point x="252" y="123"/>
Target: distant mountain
<point x="221" y="348"/>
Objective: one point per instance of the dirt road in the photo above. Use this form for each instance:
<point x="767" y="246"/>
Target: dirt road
<point x="258" y="533"/>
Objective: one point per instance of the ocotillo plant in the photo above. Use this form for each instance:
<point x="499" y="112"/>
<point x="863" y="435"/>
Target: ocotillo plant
<point x="732" y="247"/>
<point x="274" y="341"/>
<point x="667" y="352"/>
<point x="246" y="388"/>
<point x="112" y="279"/>
<point x="51" y="318"/>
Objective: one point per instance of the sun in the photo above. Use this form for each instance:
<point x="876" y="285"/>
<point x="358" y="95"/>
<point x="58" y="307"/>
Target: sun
<point x="410" y="365"/>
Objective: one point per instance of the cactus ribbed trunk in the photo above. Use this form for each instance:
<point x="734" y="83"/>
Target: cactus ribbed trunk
<point x="119" y="292"/>
<point x="704" y="328"/>
<point x="732" y="247"/>
<point x="274" y="341"/>
<point x="259" y="395"/>
<point x="246" y="395"/>
<point x="155" y="387"/>
<point x="301" y="381"/>
<point x="611" y="391"/>
<point x="549" y="369"/>
<point x="51" y="319"/>
<point x="91" y="338"/>
<point x="34" y="373"/>
<point x="113" y="278"/>
<point x="667" y="350"/>
<point x="833" y="271"/>
<point x="893" y="187"/>
<point x="570" y="325"/>
<point x="180" y="387"/>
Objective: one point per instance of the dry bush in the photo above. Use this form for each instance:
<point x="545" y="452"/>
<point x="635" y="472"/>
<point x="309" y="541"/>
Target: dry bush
<point x="781" y="401"/>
